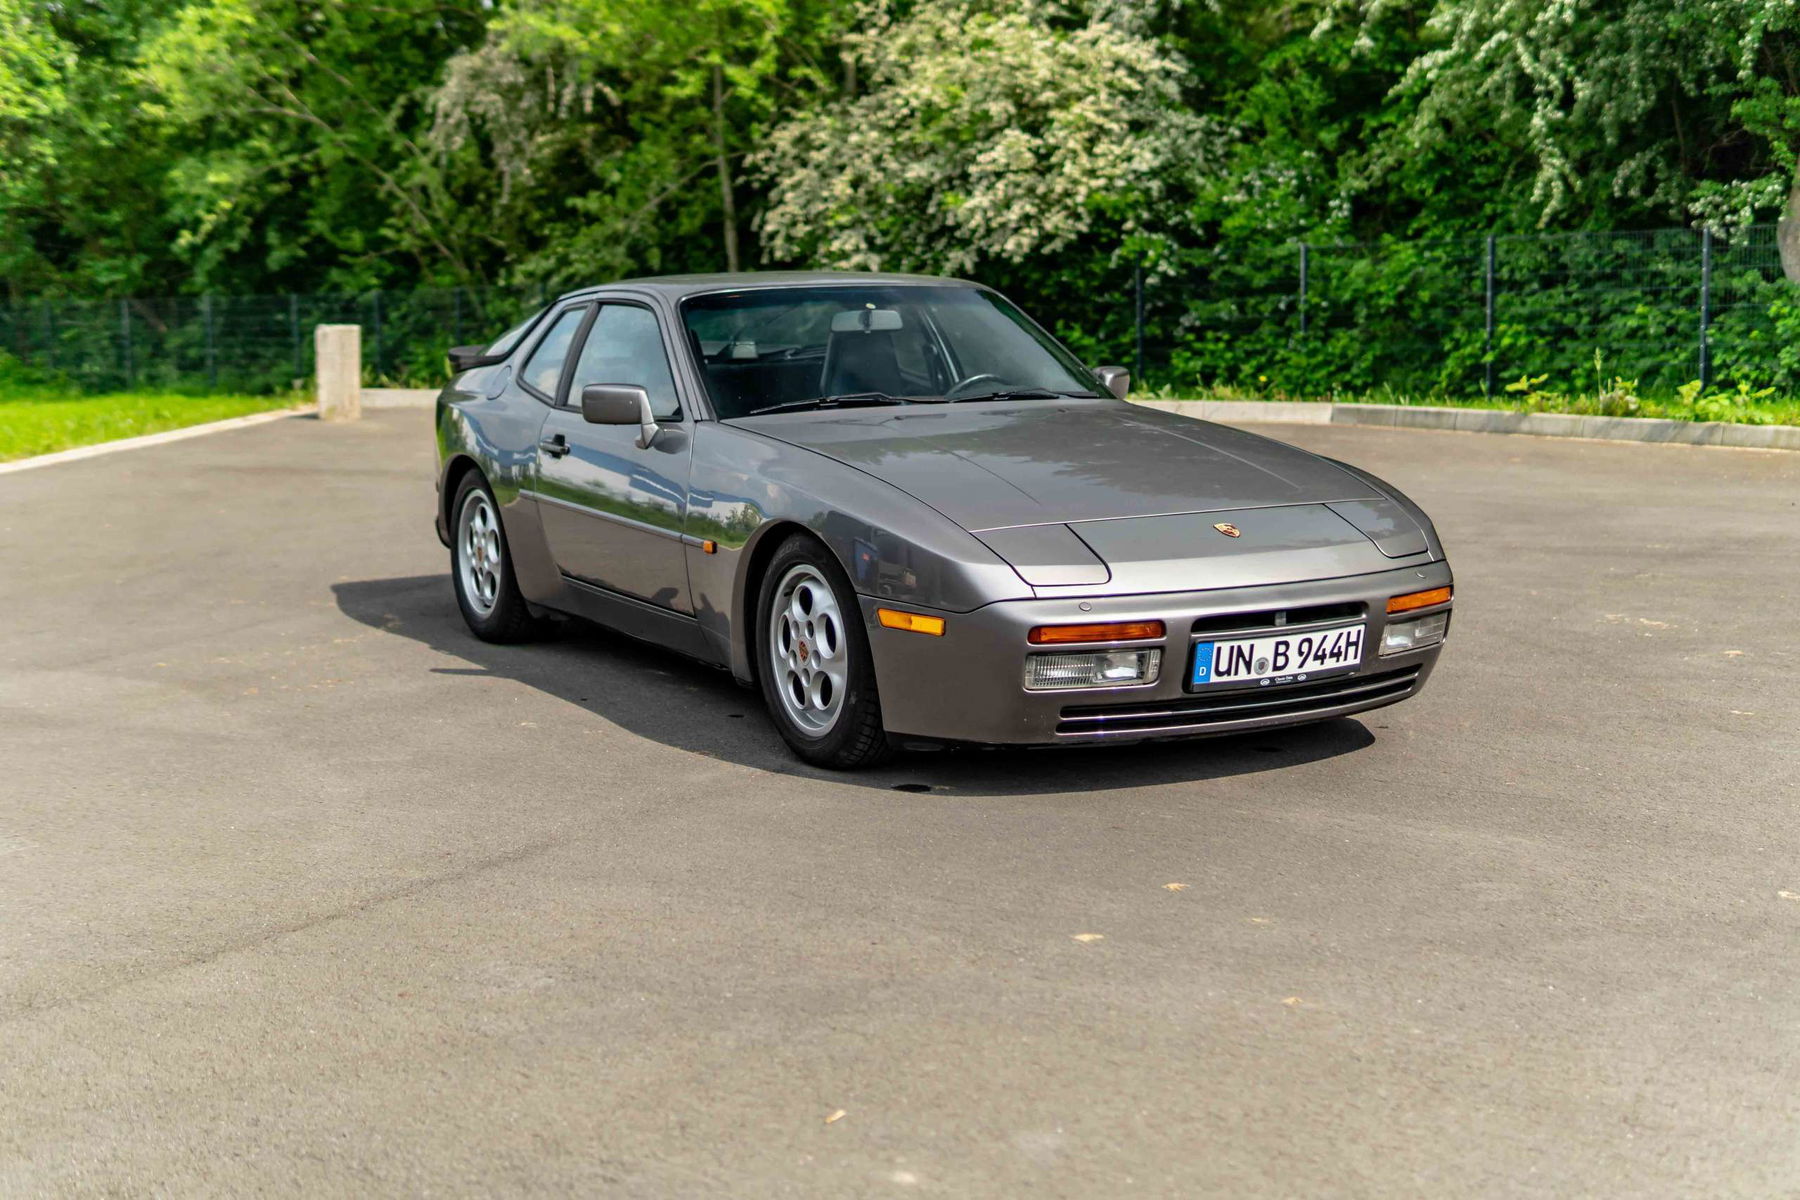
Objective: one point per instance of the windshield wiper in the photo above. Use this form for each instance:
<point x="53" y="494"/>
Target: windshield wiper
<point x="843" y="401"/>
<point x="1029" y="393"/>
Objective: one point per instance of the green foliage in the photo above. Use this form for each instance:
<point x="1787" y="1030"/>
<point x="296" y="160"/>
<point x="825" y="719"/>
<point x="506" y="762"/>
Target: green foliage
<point x="987" y="133"/>
<point x="1050" y="147"/>
<point x="609" y="137"/>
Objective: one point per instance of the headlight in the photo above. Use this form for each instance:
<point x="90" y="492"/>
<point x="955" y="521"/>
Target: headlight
<point x="1104" y="668"/>
<point x="1416" y="634"/>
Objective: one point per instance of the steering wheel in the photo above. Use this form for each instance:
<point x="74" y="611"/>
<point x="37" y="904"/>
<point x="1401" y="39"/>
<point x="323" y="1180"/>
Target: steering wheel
<point x="963" y="385"/>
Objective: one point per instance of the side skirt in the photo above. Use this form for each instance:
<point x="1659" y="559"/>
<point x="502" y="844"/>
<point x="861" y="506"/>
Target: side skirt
<point x="635" y="618"/>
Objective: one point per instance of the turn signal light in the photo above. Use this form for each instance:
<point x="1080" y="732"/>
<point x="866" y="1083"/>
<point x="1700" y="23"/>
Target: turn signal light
<point x="1424" y="599"/>
<point x="1117" y="631"/>
<point x="893" y="618"/>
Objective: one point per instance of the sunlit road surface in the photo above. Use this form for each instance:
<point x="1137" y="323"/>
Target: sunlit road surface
<point x="305" y="891"/>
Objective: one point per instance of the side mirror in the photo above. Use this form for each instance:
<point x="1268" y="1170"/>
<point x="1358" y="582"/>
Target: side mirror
<point x="1116" y="380"/>
<point x="464" y="358"/>
<point x="620" y="404"/>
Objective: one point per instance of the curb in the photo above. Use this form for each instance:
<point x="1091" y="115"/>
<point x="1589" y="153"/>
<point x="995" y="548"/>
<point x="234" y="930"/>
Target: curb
<point x="399" y="397"/>
<point x="76" y="453"/>
<point x="1490" y="420"/>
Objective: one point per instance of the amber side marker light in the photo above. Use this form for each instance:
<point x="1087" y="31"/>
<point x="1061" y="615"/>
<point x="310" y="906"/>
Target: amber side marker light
<point x="1414" y="600"/>
<point x="893" y="618"/>
<point x="1117" y="631"/>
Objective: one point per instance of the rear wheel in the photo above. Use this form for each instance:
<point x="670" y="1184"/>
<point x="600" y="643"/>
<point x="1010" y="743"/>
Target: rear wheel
<point x="481" y="568"/>
<point x="816" y="671"/>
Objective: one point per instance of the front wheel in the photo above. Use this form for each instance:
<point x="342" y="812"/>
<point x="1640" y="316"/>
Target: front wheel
<point x="816" y="671"/>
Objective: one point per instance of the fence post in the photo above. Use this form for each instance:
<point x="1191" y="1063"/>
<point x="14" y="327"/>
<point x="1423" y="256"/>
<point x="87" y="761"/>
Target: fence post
<point x="294" y="333"/>
<point x="380" y="345"/>
<point x="337" y="358"/>
<point x="456" y="320"/>
<point x="212" y="359"/>
<point x="125" y="331"/>
<point x="49" y="335"/>
<point x="1303" y="266"/>
<point x="1705" y="306"/>
<point x="1137" y="308"/>
<point x="1487" y="380"/>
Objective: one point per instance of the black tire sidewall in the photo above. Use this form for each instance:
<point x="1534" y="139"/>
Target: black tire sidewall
<point x="848" y="742"/>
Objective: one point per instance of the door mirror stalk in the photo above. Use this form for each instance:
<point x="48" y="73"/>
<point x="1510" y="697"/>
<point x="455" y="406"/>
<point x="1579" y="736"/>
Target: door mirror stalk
<point x="620" y="404"/>
<point x="1116" y="380"/>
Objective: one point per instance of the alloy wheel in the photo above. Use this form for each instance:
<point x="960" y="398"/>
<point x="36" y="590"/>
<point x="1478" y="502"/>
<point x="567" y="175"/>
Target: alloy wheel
<point x="808" y="650"/>
<point x="478" y="558"/>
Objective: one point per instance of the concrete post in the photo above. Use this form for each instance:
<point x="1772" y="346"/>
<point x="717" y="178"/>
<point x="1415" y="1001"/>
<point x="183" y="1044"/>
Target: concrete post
<point x="338" y="358"/>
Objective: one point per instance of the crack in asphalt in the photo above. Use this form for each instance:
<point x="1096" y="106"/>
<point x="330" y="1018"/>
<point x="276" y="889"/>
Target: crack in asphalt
<point x="371" y="903"/>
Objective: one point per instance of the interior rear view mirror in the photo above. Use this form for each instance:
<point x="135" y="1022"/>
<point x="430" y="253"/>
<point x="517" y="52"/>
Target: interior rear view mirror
<point x="869" y="320"/>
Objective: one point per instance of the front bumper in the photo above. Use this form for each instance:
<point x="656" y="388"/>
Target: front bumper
<point x="968" y="685"/>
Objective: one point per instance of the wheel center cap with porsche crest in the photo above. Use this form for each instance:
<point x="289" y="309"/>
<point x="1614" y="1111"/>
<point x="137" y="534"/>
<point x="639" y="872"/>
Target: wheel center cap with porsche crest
<point x="1228" y="529"/>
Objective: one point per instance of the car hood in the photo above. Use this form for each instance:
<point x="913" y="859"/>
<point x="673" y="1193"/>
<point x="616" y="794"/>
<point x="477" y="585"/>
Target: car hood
<point x="1080" y="495"/>
<point x="1034" y="462"/>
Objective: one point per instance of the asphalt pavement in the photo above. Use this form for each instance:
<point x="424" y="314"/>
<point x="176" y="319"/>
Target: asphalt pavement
<point x="305" y="891"/>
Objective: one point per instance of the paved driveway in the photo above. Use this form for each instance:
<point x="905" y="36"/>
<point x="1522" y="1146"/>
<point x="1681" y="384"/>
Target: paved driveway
<point x="302" y="889"/>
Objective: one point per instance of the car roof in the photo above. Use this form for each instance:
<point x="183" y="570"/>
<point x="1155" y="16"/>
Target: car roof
<point x="679" y="286"/>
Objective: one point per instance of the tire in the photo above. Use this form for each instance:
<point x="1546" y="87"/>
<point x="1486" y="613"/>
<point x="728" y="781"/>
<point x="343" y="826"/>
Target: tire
<point x="813" y="661"/>
<point x="481" y="568"/>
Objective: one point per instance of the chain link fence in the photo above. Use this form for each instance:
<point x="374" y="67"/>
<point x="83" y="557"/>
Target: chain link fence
<point x="1465" y="317"/>
<point x="1452" y="317"/>
<point x="251" y="343"/>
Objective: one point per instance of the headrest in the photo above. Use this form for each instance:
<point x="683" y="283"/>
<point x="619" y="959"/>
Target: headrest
<point x="866" y="320"/>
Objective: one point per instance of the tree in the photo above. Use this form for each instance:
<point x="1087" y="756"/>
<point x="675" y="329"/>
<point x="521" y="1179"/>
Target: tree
<point x="598" y="121"/>
<point x="1659" y="106"/>
<point x="301" y="162"/>
<point x="995" y="132"/>
<point x="81" y="206"/>
<point x="34" y="65"/>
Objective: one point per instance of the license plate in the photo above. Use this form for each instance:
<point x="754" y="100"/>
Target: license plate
<point x="1276" y="658"/>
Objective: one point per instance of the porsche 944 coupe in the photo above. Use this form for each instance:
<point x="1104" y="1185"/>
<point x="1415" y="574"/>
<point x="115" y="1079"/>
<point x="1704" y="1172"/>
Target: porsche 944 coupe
<point x="909" y="516"/>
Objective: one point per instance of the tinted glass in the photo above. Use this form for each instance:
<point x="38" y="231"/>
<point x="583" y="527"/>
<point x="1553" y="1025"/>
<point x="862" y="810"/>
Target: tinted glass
<point x="505" y="342"/>
<point x="769" y="346"/>
<point x="625" y="346"/>
<point x="544" y="368"/>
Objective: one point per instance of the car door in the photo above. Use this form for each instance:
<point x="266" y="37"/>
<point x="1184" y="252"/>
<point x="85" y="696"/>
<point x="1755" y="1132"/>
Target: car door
<point x="612" y="511"/>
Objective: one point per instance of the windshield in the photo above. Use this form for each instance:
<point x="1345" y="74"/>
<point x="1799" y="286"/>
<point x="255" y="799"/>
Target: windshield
<point x="767" y="347"/>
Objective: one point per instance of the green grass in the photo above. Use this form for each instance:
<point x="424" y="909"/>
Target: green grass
<point x="41" y="418"/>
<point x="1714" y="406"/>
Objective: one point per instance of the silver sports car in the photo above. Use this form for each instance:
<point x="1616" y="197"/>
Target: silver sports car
<point x="910" y="516"/>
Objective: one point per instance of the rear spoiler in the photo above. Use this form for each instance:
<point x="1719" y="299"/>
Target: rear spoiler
<point x="467" y="358"/>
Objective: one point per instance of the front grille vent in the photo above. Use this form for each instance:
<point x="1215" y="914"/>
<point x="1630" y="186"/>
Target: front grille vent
<point x="1237" y="709"/>
<point x="1277" y="617"/>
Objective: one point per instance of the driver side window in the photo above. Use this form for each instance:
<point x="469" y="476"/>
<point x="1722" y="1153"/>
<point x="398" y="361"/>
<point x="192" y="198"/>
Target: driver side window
<point x="625" y="346"/>
<point x="544" y="368"/>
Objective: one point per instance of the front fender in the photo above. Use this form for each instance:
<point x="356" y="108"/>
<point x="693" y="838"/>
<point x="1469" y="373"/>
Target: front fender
<point x="747" y="489"/>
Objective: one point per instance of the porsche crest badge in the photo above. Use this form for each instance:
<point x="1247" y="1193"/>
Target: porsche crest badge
<point x="1228" y="529"/>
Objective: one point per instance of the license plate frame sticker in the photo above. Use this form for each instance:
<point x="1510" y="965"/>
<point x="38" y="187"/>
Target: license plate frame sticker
<point x="1273" y="659"/>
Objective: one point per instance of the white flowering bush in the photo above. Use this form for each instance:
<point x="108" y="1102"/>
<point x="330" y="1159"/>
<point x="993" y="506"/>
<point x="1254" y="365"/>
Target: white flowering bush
<point x="1613" y="99"/>
<point x="985" y="132"/>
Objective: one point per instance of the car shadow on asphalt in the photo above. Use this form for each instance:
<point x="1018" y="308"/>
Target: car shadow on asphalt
<point x="664" y="697"/>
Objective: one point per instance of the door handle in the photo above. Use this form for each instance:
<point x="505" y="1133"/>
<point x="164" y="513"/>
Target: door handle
<point x="555" y="447"/>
